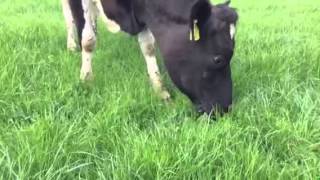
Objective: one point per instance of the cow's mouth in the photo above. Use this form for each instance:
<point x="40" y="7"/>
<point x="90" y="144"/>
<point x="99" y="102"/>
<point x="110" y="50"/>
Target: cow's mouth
<point x="212" y="110"/>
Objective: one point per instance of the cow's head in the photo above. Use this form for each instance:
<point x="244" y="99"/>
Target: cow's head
<point x="198" y="57"/>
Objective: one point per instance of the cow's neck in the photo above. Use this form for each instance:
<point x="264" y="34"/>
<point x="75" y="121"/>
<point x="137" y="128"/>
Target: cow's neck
<point x="169" y="35"/>
<point x="169" y="20"/>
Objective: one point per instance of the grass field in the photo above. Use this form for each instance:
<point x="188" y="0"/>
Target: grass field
<point x="52" y="127"/>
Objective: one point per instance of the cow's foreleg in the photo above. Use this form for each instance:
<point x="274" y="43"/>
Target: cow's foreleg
<point x="88" y="41"/>
<point x="147" y="45"/>
<point x="70" y="24"/>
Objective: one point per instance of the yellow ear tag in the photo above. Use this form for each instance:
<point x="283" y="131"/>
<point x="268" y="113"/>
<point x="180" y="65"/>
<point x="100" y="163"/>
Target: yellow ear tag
<point x="195" y="32"/>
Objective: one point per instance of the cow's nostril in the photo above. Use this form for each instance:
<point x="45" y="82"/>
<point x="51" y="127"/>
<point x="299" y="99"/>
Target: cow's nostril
<point x="200" y="109"/>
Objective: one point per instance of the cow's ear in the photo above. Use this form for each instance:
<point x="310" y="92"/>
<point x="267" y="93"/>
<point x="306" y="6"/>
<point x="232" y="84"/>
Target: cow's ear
<point x="227" y="3"/>
<point x="200" y="14"/>
<point x="225" y="13"/>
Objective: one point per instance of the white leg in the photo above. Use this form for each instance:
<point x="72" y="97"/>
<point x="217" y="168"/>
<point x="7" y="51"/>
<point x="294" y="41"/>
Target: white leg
<point x="71" y="27"/>
<point x="147" y="41"/>
<point x="88" y="39"/>
<point x="111" y="25"/>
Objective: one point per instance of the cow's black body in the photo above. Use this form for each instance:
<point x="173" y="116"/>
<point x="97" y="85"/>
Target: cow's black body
<point x="200" y="69"/>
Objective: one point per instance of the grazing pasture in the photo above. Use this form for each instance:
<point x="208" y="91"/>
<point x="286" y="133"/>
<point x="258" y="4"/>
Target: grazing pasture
<point x="54" y="127"/>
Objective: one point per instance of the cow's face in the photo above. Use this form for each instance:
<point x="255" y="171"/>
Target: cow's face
<point x="201" y="65"/>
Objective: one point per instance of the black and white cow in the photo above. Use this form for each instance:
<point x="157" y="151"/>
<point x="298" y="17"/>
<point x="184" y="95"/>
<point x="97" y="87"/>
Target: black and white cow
<point x="195" y="38"/>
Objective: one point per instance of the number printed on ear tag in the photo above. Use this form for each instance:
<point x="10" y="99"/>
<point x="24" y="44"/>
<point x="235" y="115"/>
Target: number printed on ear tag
<point x="195" y="32"/>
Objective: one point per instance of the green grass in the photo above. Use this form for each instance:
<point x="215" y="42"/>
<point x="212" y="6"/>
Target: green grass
<point x="52" y="127"/>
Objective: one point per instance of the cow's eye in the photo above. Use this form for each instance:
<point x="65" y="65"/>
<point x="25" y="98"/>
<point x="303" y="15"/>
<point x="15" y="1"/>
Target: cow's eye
<point x="218" y="60"/>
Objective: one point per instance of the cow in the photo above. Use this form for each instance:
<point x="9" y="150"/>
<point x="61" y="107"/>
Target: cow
<point x="195" y="39"/>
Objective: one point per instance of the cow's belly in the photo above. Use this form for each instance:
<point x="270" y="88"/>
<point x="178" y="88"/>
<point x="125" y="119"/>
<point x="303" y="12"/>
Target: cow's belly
<point x="118" y="18"/>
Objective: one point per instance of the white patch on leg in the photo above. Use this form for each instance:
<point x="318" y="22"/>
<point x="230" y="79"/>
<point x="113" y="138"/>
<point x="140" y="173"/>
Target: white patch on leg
<point x="88" y="39"/>
<point x="112" y="26"/>
<point x="71" y="27"/>
<point x="86" y="67"/>
<point x="232" y="31"/>
<point x="146" y="41"/>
